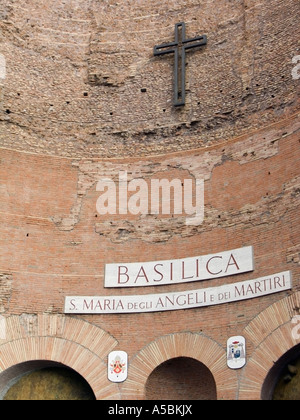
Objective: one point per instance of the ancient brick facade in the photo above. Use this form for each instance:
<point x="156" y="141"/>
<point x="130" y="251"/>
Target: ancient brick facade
<point x="82" y="98"/>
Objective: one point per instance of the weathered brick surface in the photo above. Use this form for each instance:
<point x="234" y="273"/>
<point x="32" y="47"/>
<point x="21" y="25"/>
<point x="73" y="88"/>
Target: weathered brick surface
<point x="72" y="112"/>
<point x="77" y="74"/>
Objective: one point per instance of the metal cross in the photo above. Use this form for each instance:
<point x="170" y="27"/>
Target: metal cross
<point x="179" y="48"/>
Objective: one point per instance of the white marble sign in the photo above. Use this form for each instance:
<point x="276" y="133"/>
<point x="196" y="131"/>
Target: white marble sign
<point x="236" y="352"/>
<point x="117" y="366"/>
<point x="186" y="270"/>
<point x="179" y="300"/>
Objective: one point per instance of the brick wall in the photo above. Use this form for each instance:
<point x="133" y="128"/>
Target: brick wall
<point x="82" y="80"/>
<point x="181" y="379"/>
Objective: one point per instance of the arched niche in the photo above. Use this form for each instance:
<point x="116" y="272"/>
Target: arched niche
<point x="41" y="341"/>
<point x="181" y="378"/>
<point x="283" y="380"/>
<point x="210" y="354"/>
<point x="44" y="380"/>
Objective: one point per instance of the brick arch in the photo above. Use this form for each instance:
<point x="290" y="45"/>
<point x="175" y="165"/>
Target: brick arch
<point x="271" y="335"/>
<point x="56" y="338"/>
<point x="195" y="346"/>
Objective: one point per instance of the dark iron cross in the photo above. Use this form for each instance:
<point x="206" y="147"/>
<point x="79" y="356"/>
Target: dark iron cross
<point x="179" y="47"/>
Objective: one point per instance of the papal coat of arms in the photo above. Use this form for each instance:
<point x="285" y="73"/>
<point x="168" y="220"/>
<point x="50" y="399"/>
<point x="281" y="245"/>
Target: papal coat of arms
<point x="117" y="366"/>
<point x="236" y="352"/>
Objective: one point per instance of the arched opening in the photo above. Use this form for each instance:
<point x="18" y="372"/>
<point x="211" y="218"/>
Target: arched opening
<point x="43" y="380"/>
<point x="181" y="378"/>
<point x="283" y="380"/>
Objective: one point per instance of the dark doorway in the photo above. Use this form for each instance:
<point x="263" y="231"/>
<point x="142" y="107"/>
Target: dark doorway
<point x="181" y="378"/>
<point x="283" y="380"/>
